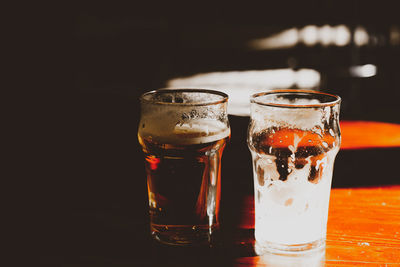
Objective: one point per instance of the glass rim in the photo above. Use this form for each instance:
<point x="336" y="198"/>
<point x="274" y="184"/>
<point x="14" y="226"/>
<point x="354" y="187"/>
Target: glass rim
<point x="253" y="98"/>
<point x="187" y="90"/>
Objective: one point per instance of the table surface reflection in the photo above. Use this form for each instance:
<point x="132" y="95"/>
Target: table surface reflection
<point x="363" y="229"/>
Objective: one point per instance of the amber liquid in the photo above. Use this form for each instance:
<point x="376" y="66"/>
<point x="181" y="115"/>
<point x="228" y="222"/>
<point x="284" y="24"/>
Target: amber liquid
<point x="184" y="190"/>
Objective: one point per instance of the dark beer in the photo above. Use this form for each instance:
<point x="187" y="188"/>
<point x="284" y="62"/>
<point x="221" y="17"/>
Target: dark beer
<point x="183" y="177"/>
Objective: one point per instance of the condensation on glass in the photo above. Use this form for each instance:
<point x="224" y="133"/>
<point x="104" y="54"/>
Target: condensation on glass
<point x="293" y="137"/>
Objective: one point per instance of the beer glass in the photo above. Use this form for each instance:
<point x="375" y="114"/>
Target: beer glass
<point x="183" y="133"/>
<point x="293" y="137"/>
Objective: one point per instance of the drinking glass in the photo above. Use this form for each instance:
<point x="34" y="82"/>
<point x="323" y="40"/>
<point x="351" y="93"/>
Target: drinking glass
<point x="183" y="133"/>
<point x="293" y="137"/>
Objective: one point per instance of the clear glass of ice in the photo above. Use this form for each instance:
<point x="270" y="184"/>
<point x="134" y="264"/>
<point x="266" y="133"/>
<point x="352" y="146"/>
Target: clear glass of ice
<point x="293" y="137"/>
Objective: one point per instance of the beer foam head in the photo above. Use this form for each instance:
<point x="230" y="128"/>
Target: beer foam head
<point x="194" y="132"/>
<point x="184" y="117"/>
<point x="184" y="97"/>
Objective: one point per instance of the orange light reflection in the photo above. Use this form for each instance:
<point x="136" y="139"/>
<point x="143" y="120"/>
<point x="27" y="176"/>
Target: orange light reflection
<point x="369" y="134"/>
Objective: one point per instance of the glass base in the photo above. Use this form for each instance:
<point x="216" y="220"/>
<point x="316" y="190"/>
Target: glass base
<point x="314" y="257"/>
<point x="290" y="250"/>
<point x="183" y="235"/>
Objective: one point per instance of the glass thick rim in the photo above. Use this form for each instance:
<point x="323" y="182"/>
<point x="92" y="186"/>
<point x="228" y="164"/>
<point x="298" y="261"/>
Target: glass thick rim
<point x="253" y="98"/>
<point x="186" y="90"/>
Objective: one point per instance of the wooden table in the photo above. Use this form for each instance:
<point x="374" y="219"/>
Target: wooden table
<point x="363" y="229"/>
<point x="105" y="218"/>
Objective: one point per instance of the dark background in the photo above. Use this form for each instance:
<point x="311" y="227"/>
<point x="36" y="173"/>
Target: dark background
<point x="121" y="51"/>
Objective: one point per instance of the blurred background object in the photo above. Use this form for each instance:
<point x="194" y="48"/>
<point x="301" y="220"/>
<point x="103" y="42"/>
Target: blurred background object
<point x="350" y="48"/>
<point x="353" y="45"/>
<point x="240" y="85"/>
